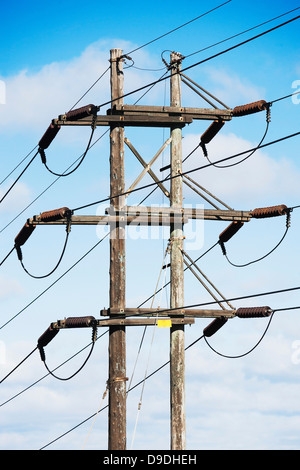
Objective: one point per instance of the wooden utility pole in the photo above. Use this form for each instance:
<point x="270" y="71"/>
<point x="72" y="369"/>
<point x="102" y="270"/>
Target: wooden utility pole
<point x="117" y="345"/>
<point x="177" y="354"/>
<point x="118" y="215"/>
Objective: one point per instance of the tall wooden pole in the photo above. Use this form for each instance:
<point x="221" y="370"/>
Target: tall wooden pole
<point x="177" y="354"/>
<point x="117" y="349"/>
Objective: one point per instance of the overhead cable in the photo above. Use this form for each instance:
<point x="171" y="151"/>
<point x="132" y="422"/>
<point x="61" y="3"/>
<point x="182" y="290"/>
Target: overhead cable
<point x="168" y="178"/>
<point x="176" y="29"/>
<point x="239" y="34"/>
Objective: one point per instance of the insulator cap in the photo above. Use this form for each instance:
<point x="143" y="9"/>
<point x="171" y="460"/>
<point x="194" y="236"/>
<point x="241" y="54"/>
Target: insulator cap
<point x="78" y="322"/>
<point x="230" y="231"/>
<point x="47" y="336"/>
<point x="214" y="326"/>
<point x="253" y="312"/>
<point x="55" y="214"/>
<point x="24" y="234"/>
<point x="81" y="113"/>
<point x="212" y="131"/>
<point x="48" y="136"/>
<point x="250" y="108"/>
<point x="272" y="211"/>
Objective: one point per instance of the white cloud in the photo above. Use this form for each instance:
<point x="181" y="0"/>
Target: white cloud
<point x="16" y="199"/>
<point x="232" y="88"/>
<point x="9" y="288"/>
<point x="38" y="97"/>
<point x="255" y="179"/>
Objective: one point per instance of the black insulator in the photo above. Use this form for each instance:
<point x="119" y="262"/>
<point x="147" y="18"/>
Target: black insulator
<point x="55" y="214"/>
<point x="48" y="136"/>
<point x="214" y="326"/>
<point x="24" y="234"/>
<point x="212" y="131"/>
<point x="272" y="211"/>
<point x="47" y="336"/>
<point x="79" y="322"/>
<point x="250" y="108"/>
<point x="253" y="312"/>
<point x="230" y="231"/>
<point x="81" y="113"/>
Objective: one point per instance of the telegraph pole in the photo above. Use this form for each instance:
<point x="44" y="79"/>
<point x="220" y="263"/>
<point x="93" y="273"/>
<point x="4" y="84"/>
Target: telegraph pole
<point x="117" y="344"/>
<point x="118" y="215"/>
<point x="177" y="354"/>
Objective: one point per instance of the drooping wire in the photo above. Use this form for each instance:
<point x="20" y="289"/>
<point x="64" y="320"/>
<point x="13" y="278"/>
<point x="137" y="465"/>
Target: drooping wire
<point x="268" y="120"/>
<point x="185" y="172"/>
<point x="57" y="280"/>
<point x="250" y="350"/>
<point x="57" y="264"/>
<point x="43" y="156"/>
<point x="51" y="184"/>
<point x="94" y="337"/>
<point x="288" y="224"/>
<point x="202" y="61"/>
<point x="148" y="377"/>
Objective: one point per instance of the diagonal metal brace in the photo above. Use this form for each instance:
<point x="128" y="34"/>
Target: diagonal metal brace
<point x="147" y="167"/>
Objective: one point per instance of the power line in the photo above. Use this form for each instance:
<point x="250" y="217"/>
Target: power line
<point x="202" y="61"/>
<point x="194" y="65"/>
<point x="168" y="178"/>
<point x="102" y="75"/>
<point x="159" y="369"/>
<point x="176" y="29"/>
<point x="243" y="32"/>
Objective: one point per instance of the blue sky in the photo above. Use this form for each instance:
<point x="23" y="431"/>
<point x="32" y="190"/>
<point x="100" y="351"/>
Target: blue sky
<point x="50" y="56"/>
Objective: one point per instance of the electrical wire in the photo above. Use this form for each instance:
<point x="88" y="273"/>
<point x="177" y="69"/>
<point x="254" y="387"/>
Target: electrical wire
<point x="148" y="377"/>
<point x="202" y="61"/>
<point x="42" y="378"/>
<point x="248" y="156"/>
<point x="168" y="178"/>
<point x="56" y="266"/>
<point x="50" y="185"/>
<point x="17" y="166"/>
<point x="80" y="162"/>
<point x="17" y="179"/>
<point x="243" y="32"/>
<point x="264" y="256"/>
<point x="196" y="64"/>
<point x="54" y="282"/>
<point x="176" y="29"/>
<point x="80" y="368"/>
<point x="246" y="353"/>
